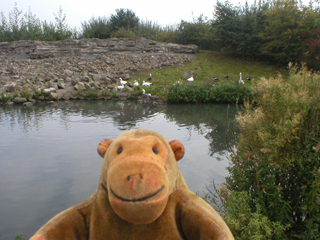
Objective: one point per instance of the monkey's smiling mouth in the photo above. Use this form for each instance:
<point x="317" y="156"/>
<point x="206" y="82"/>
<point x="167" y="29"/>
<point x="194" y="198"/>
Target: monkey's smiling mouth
<point x="137" y="199"/>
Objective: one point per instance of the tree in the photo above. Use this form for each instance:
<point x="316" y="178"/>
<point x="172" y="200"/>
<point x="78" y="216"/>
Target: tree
<point x="62" y="28"/>
<point x="96" y="28"/>
<point x="237" y="28"/>
<point x="125" y="18"/>
<point x="197" y="32"/>
<point x="284" y="31"/>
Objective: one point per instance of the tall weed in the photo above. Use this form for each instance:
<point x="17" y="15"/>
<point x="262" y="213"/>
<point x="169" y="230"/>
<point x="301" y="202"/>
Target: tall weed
<point x="277" y="160"/>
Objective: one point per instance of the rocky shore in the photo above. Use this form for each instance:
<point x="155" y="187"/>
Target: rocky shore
<point x="77" y="69"/>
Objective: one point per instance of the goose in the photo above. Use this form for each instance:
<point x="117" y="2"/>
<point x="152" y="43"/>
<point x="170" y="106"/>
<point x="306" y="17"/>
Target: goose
<point x="226" y="76"/>
<point x="120" y="87"/>
<point x="149" y="78"/>
<point x="215" y="79"/>
<point x="122" y="82"/>
<point x="144" y="93"/>
<point x="146" y="84"/>
<point x="240" y="79"/>
<point x="190" y="79"/>
<point x="49" y="90"/>
<point x="136" y="83"/>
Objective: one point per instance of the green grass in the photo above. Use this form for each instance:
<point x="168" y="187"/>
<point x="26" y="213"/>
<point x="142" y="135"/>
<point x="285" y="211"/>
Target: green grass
<point x="208" y="64"/>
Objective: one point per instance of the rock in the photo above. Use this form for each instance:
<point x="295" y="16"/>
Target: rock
<point x="81" y="64"/>
<point x="74" y="81"/>
<point x="79" y="86"/>
<point x="19" y="100"/>
<point x="85" y="78"/>
<point x="53" y="96"/>
<point x="10" y="87"/>
<point x="68" y="73"/>
<point x="95" y="77"/>
<point x="61" y="85"/>
<point x="27" y="104"/>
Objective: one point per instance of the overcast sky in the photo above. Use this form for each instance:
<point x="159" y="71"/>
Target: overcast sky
<point x="163" y="12"/>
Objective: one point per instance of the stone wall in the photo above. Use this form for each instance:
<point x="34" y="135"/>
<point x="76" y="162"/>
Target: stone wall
<point x="61" y="69"/>
<point x="85" y="47"/>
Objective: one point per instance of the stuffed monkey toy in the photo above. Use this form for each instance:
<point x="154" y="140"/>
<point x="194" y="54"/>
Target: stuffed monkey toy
<point x="141" y="195"/>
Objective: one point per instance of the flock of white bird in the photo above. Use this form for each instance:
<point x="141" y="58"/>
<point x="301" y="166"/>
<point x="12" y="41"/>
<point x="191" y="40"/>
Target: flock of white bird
<point x="147" y="83"/>
<point x="240" y="82"/>
<point x="136" y="83"/>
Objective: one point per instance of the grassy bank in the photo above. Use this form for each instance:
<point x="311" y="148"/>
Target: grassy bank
<point x="208" y="65"/>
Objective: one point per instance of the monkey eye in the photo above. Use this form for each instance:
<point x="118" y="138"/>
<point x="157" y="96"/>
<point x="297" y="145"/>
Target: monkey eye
<point x="155" y="150"/>
<point x="119" y="150"/>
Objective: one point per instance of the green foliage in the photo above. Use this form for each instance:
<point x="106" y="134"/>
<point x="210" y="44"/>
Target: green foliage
<point x="96" y="28"/>
<point x="115" y="94"/>
<point x="148" y="29"/>
<point x="4" y="97"/>
<point x="124" y="18"/>
<point x="284" y="32"/>
<point x="27" y="26"/>
<point x="245" y="223"/>
<point x="92" y="93"/>
<point x="277" y="160"/>
<point x="105" y="93"/>
<point x="25" y="92"/>
<point x="123" y="33"/>
<point x="37" y="93"/>
<point x="20" y="237"/>
<point x="204" y="93"/>
<point x="237" y="28"/>
<point x="198" y="32"/>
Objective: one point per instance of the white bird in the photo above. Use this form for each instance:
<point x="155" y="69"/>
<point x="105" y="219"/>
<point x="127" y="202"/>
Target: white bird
<point x="49" y="90"/>
<point x="135" y="83"/>
<point x="146" y="83"/>
<point x="149" y="78"/>
<point x="144" y="93"/>
<point x="122" y="82"/>
<point x="120" y="87"/>
<point x="240" y="79"/>
<point x="190" y="79"/>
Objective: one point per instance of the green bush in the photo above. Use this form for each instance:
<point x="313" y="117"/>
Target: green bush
<point x="4" y="97"/>
<point x="20" y="237"/>
<point x="246" y="224"/>
<point x="92" y="93"/>
<point x="277" y="160"/>
<point x="205" y="93"/>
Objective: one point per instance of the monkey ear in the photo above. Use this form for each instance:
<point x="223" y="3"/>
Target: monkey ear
<point x="177" y="148"/>
<point x="103" y="146"/>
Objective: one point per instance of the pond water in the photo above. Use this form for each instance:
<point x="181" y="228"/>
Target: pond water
<point x="49" y="161"/>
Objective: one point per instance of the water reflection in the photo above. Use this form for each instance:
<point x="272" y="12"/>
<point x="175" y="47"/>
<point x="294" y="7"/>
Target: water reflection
<point x="48" y="158"/>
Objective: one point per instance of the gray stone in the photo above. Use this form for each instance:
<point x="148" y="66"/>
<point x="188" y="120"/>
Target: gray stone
<point x="27" y="104"/>
<point x="19" y="100"/>
<point x="61" y="85"/>
<point x="53" y="96"/>
<point x="10" y="88"/>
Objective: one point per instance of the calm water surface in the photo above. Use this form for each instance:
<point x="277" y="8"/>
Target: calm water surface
<point x="49" y="161"/>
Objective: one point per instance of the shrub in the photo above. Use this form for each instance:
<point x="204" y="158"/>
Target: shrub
<point x="4" y="97"/>
<point x="115" y="94"/>
<point x="277" y="159"/>
<point x="123" y="33"/>
<point x="92" y="93"/>
<point x="205" y="93"/>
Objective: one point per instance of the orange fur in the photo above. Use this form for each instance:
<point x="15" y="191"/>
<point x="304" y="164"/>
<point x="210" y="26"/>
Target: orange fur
<point x="141" y="195"/>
